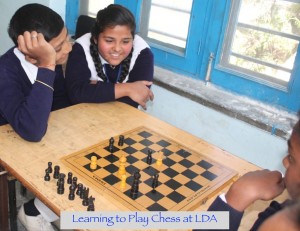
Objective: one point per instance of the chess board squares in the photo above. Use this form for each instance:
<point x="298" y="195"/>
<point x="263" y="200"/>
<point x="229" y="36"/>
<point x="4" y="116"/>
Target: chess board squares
<point x="155" y="147"/>
<point x="144" y="134"/>
<point x="146" y="142"/>
<point x="114" y="149"/>
<point x="129" y="141"/>
<point x="204" y="164"/>
<point x="179" y="167"/>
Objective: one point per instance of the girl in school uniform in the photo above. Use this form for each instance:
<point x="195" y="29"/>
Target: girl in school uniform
<point x="111" y="63"/>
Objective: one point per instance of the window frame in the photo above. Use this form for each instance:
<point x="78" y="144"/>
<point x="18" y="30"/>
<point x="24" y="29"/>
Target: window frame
<point x="209" y="18"/>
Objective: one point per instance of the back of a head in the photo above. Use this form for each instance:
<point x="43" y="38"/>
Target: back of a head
<point x="35" y="17"/>
<point x="111" y="16"/>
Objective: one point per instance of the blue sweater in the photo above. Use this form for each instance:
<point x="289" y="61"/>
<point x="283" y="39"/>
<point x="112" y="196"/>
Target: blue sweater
<point x="235" y="216"/>
<point x="26" y="106"/>
<point x="78" y="77"/>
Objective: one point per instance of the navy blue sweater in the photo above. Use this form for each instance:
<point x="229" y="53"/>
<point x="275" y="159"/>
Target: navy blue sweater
<point x="235" y="216"/>
<point x="26" y="106"/>
<point x="78" y="78"/>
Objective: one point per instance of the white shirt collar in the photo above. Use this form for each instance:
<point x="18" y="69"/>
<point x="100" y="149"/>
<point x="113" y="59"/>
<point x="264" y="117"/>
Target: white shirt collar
<point x="30" y="69"/>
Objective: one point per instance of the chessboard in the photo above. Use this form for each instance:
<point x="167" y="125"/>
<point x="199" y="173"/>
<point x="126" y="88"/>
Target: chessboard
<point x="186" y="178"/>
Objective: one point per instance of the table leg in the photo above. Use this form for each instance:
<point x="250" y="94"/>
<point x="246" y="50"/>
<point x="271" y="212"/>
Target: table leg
<point x="12" y="203"/>
<point x="3" y="200"/>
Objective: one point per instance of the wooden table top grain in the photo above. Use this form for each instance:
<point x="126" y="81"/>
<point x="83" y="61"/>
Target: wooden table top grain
<point x="83" y="125"/>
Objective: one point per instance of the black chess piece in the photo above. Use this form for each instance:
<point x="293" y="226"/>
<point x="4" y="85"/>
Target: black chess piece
<point x="79" y="189"/>
<point x="85" y="201"/>
<point x="72" y="192"/>
<point x="69" y="180"/>
<point x="149" y="157"/>
<point x="47" y="175"/>
<point x="135" y="185"/>
<point x="111" y="145"/>
<point x="74" y="181"/>
<point x="50" y="167"/>
<point x="91" y="206"/>
<point x="121" y="140"/>
<point x="155" y="181"/>
<point x="61" y="184"/>
<point x="56" y="172"/>
<point x="82" y="193"/>
<point x="61" y="177"/>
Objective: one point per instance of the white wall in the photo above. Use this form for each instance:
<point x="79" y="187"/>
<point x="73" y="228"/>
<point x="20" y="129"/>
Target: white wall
<point x="230" y="134"/>
<point x="8" y="8"/>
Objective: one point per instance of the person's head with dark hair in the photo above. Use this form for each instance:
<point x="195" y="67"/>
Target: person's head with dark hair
<point x="111" y="16"/>
<point x="39" y="33"/>
<point x="112" y="38"/>
<point x="35" y="17"/>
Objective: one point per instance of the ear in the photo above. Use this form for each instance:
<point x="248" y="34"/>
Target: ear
<point x="95" y="40"/>
<point x="31" y="60"/>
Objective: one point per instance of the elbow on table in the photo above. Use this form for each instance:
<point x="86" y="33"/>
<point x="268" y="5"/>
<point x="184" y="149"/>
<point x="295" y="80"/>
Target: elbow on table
<point x="33" y="134"/>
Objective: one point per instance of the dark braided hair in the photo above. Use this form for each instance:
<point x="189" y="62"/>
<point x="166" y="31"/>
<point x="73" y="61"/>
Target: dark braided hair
<point x="111" y="16"/>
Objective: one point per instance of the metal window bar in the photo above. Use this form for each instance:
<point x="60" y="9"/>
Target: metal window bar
<point x="282" y="34"/>
<point x="166" y="34"/>
<point x="261" y="62"/>
<point x="170" y="8"/>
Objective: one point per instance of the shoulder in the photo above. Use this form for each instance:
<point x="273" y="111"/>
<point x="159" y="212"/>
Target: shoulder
<point x="9" y="56"/>
<point x="139" y="43"/>
<point x="84" y="41"/>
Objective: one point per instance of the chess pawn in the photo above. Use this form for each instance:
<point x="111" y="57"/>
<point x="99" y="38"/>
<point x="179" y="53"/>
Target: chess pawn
<point x="50" y="167"/>
<point x="155" y="181"/>
<point x="56" y="172"/>
<point x="69" y="180"/>
<point x="159" y="158"/>
<point x="47" y="175"/>
<point x="93" y="164"/>
<point x="122" y="169"/>
<point x="72" y="192"/>
<point x="121" y="140"/>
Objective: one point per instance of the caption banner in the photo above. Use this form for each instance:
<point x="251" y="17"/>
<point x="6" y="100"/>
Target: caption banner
<point x="144" y="220"/>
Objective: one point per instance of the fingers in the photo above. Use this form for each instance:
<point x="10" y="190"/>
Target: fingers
<point x="147" y="83"/>
<point x="28" y="41"/>
<point x="151" y="95"/>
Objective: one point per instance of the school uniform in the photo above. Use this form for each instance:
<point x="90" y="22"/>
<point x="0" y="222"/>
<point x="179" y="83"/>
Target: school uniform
<point x="27" y="96"/>
<point x="235" y="216"/>
<point x="80" y="71"/>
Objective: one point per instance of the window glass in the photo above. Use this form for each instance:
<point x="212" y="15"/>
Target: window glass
<point x="168" y="21"/>
<point x="263" y="39"/>
<point x="91" y="7"/>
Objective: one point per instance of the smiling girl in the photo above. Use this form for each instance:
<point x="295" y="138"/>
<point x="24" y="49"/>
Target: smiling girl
<point x="111" y="63"/>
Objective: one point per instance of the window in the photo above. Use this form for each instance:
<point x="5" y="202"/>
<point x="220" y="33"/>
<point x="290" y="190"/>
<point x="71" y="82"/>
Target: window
<point x="91" y="7"/>
<point x="249" y="47"/>
<point x="165" y="32"/>
<point x="262" y="40"/>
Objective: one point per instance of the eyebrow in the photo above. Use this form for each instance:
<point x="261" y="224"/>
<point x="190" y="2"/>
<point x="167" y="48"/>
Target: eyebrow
<point x="60" y="45"/>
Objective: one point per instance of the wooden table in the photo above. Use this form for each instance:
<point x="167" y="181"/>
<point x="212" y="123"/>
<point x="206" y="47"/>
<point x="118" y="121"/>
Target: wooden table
<point x="77" y="127"/>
